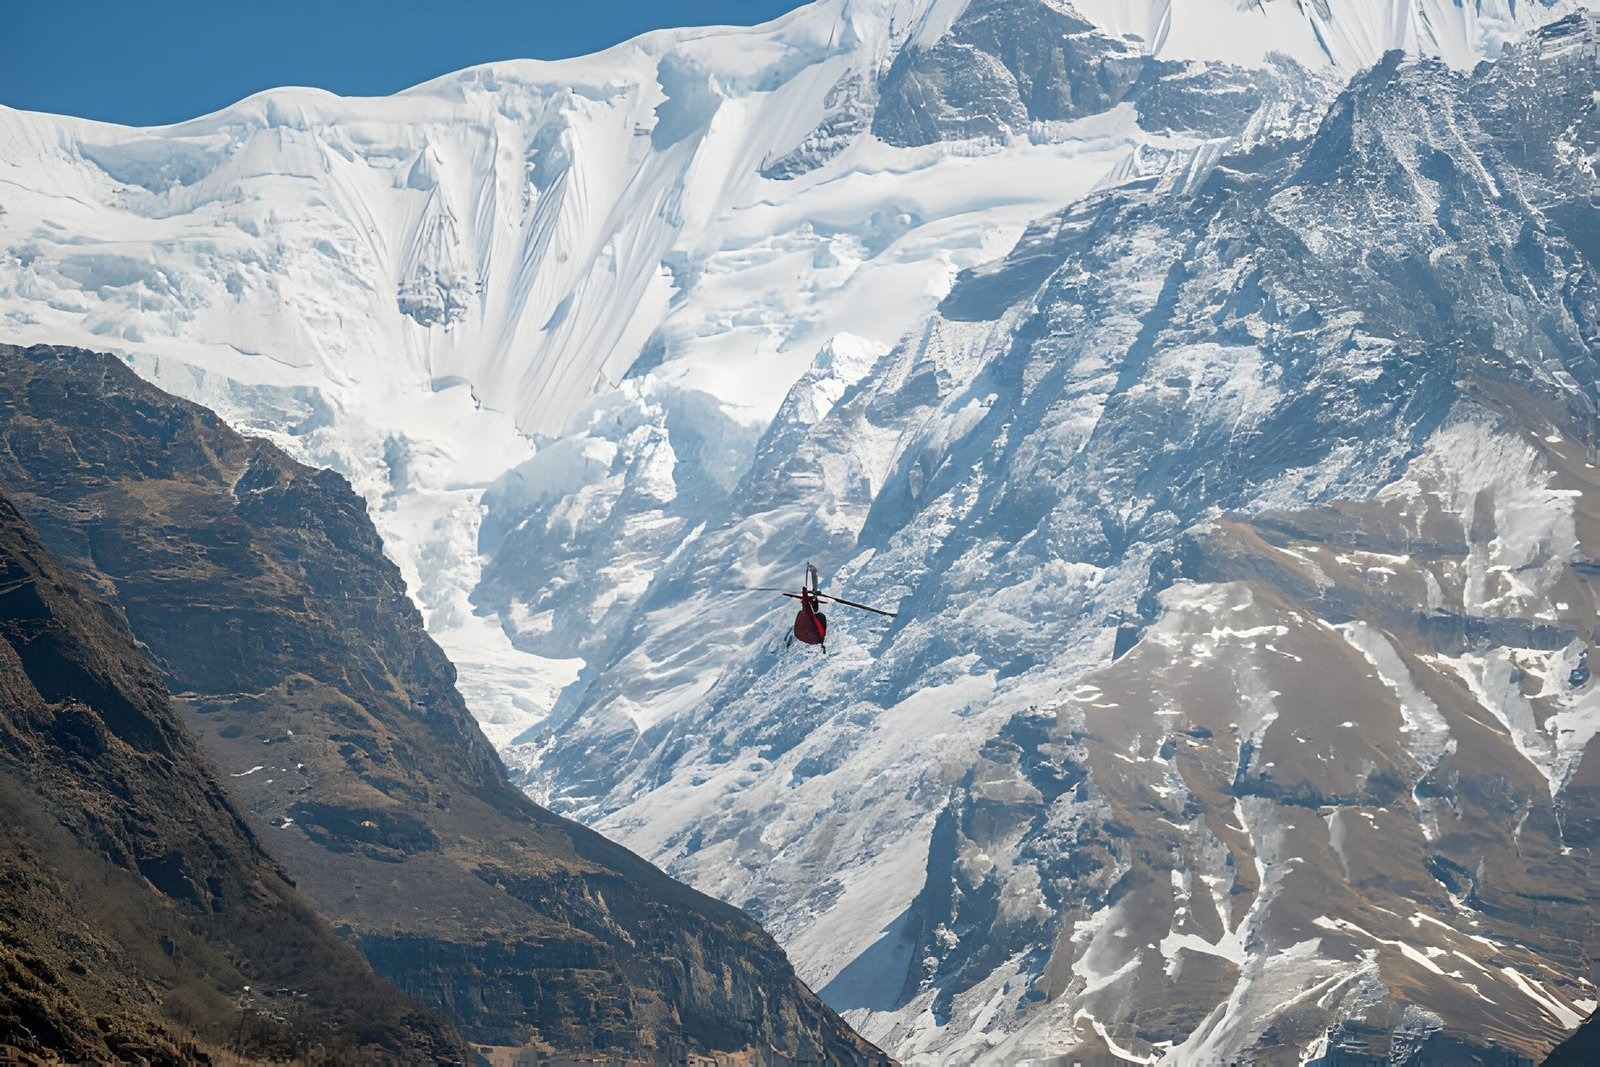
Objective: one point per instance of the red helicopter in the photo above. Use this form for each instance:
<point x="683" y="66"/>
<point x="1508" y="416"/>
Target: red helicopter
<point x="810" y="624"/>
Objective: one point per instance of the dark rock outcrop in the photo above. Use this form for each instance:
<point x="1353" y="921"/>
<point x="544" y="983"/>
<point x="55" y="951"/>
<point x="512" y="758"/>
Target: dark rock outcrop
<point x="143" y="920"/>
<point x="260" y="587"/>
<point x="1002" y="66"/>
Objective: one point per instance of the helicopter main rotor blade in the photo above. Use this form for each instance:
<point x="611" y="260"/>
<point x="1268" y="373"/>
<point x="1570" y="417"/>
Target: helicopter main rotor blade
<point x="854" y="604"/>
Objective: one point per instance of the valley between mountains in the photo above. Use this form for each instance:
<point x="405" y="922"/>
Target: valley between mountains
<point x="260" y="590"/>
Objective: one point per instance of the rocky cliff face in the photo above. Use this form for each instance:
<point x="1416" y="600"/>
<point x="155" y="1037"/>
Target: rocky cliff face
<point x="1001" y="67"/>
<point x="143" y="919"/>
<point x="261" y="589"/>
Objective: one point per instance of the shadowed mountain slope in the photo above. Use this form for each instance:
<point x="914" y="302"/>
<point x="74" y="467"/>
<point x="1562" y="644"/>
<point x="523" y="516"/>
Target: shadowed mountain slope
<point x="261" y="589"/>
<point x="1583" y="1047"/>
<point x="142" y="917"/>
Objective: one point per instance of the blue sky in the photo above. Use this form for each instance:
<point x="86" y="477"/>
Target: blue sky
<point x="148" y="62"/>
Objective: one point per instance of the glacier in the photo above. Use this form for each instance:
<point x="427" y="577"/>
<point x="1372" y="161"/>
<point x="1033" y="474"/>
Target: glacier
<point x="602" y="341"/>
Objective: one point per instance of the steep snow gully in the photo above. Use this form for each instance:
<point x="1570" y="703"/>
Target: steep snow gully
<point x="1210" y="384"/>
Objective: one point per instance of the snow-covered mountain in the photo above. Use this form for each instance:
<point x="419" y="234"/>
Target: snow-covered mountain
<point x="408" y="287"/>
<point x="1038" y="321"/>
<point x="1345" y="34"/>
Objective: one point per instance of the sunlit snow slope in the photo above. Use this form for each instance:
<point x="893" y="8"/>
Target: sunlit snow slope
<point x="407" y="288"/>
<point x="602" y="341"/>
<point x="1347" y="34"/>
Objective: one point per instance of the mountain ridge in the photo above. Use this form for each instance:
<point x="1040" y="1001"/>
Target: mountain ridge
<point x="144" y="917"/>
<point x="260" y="588"/>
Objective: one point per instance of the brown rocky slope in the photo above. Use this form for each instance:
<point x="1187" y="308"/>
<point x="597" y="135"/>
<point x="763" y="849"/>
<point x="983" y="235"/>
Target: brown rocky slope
<point x="260" y="587"/>
<point x="142" y="919"/>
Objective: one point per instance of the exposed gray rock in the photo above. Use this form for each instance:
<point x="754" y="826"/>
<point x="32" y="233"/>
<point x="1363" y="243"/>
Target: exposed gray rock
<point x="1001" y="66"/>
